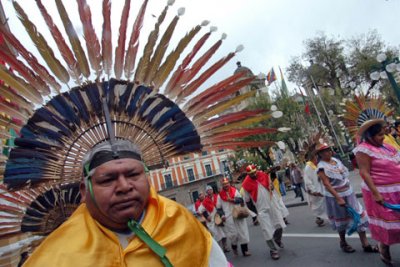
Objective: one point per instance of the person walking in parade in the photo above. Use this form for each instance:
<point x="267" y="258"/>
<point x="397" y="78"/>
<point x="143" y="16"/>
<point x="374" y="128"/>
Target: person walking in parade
<point x="235" y="229"/>
<point x="258" y="189"/>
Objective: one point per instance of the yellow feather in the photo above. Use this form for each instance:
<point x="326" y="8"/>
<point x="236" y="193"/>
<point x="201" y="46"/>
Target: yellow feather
<point x="164" y="71"/>
<point x="41" y="44"/>
<point x="7" y="93"/>
<point x="160" y="51"/>
<point x="241" y="124"/>
<point x="20" y="86"/>
<point x="74" y="40"/>
<point x="216" y="109"/>
<point x="148" y="49"/>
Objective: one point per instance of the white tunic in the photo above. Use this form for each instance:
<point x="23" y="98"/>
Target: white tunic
<point x="269" y="214"/>
<point x="314" y="184"/>
<point x="215" y="230"/>
<point x="281" y="205"/>
<point x="235" y="229"/>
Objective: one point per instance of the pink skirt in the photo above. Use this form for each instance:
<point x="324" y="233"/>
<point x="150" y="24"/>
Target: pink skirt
<point x="384" y="223"/>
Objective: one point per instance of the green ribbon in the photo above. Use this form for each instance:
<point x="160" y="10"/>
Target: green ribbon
<point x="159" y="250"/>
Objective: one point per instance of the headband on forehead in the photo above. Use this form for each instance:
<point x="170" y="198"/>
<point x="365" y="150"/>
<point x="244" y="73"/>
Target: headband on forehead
<point x="106" y="151"/>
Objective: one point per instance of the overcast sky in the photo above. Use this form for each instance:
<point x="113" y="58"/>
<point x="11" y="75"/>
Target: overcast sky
<point x="272" y="31"/>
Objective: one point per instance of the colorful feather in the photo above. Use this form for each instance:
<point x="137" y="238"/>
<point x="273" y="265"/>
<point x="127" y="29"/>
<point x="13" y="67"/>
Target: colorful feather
<point x="60" y="42"/>
<point x="144" y="61"/>
<point x="161" y="49"/>
<point x="169" y="63"/>
<point x="218" y="108"/>
<point x="120" y="49"/>
<point x="193" y="86"/>
<point x="41" y="44"/>
<point x="238" y="133"/>
<point x="241" y="124"/>
<point x="212" y="99"/>
<point x="73" y="39"/>
<point x="177" y="75"/>
<point x="189" y="74"/>
<point x="106" y="40"/>
<point x="228" y="118"/>
<point x="92" y="42"/>
<point x="31" y="59"/>
<point x="133" y="45"/>
<point x="21" y="86"/>
<point x="26" y="73"/>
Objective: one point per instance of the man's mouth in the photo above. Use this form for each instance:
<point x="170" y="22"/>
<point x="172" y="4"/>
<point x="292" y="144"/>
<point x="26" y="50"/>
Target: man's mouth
<point x="121" y="205"/>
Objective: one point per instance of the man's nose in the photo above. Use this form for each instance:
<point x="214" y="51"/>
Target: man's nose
<point x="123" y="185"/>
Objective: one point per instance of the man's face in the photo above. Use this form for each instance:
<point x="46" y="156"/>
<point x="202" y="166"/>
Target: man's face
<point x="252" y="175"/>
<point x="121" y="191"/>
<point x="225" y="186"/>
<point x="201" y="196"/>
<point x="210" y="192"/>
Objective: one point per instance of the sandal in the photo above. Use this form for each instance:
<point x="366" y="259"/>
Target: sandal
<point x="274" y="254"/>
<point x="346" y="247"/>
<point x="371" y="249"/>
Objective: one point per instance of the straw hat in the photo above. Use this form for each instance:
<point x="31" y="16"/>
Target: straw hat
<point x="367" y="124"/>
<point x="321" y="147"/>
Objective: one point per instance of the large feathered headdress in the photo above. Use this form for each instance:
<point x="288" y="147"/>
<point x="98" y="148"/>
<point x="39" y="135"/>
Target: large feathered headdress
<point x="362" y="110"/>
<point x="115" y="90"/>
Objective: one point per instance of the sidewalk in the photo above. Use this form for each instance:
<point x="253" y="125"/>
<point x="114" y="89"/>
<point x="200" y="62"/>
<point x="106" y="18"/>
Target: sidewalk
<point x="290" y="201"/>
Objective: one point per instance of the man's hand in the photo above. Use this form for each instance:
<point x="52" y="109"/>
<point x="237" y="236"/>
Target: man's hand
<point x="209" y="218"/>
<point x="223" y="218"/>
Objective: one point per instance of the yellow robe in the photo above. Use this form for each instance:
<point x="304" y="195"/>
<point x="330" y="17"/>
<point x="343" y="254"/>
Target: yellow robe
<point x="82" y="241"/>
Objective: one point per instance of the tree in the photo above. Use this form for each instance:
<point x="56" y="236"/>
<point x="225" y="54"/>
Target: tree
<point x="342" y="65"/>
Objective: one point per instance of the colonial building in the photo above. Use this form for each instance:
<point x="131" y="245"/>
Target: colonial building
<point x="188" y="175"/>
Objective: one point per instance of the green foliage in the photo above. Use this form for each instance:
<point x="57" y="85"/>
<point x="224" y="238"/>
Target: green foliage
<point x="342" y="65"/>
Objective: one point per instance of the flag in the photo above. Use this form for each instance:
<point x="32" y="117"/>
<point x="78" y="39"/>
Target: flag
<point x="307" y="109"/>
<point x="271" y="77"/>
<point x="284" y="89"/>
<point x="305" y="103"/>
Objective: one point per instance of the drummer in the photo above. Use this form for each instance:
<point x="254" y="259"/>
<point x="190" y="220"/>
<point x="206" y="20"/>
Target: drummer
<point x="213" y="220"/>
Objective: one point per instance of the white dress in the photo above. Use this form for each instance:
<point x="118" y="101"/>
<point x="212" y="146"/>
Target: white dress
<point x="314" y="184"/>
<point x="235" y="229"/>
<point x="216" y="231"/>
<point x="269" y="214"/>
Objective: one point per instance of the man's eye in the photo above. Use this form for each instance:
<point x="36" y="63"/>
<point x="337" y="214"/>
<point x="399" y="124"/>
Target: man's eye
<point x="106" y="181"/>
<point x="132" y="174"/>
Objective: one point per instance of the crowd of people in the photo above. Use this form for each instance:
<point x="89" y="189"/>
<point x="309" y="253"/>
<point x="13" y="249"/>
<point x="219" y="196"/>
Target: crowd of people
<point x="326" y="185"/>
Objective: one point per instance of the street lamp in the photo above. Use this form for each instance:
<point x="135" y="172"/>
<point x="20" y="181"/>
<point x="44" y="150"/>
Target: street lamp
<point x="385" y="71"/>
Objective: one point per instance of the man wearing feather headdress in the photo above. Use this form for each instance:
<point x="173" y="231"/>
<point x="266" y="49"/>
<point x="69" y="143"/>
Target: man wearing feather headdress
<point x="123" y="222"/>
<point x="258" y="189"/>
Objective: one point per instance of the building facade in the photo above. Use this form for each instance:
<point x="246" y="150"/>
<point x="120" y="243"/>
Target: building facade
<point x="188" y="175"/>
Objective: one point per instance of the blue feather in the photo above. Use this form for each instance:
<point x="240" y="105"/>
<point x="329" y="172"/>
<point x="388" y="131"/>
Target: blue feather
<point x="92" y="91"/>
<point x="76" y="98"/>
<point x="139" y="93"/>
<point x="64" y="108"/>
<point x="167" y="116"/>
<point x="45" y="115"/>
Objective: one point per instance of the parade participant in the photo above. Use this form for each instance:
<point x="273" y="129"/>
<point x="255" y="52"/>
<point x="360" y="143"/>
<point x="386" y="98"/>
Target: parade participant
<point x="339" y="193"/>
<point x="123" y="221"/>
<point x="258" y="189"/>
<point x="251" y="207"/>
<point x="389" y="139"/>
<point x="297" y="180"/>
<point x="198" y="202"/>
<point x="277" y="194"/>
<point x="379" y="165"/>
<point x="209" y="210"/>
<point x="315" y="189"/>
<point x="235" y="229"/>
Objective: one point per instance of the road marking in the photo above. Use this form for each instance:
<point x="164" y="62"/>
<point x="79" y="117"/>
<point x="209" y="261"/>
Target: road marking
<point x="310" y="235"/>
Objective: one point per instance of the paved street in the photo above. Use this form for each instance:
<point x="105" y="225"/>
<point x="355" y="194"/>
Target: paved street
<point x="308" y="245"/>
